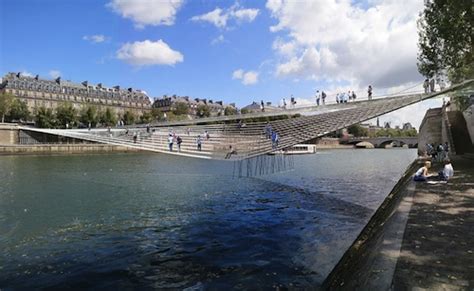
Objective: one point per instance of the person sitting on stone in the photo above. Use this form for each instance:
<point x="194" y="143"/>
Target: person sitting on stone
<point x="422" y="174"/>
<point x="447" y="172"/>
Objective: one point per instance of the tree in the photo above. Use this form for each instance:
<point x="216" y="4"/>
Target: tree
<point x="146" y="117"/>
<point x="180" y="108"/>
<point x="108" y="117"/>
<point x="128" y="118"/>
<point x="203" y="110"/>
<point x="446" y="39"/>
<point x="44" y="118"/>
<point x="157" y="114"/>
<point x="6" y="100"/>
<point x="229" y="110"/>
<point x="89" y="115"/>
<point x="66" y="114"/>
<point x="18" y="111"/>
<point x="244" y="111"/>
<point x="357" y="130"/>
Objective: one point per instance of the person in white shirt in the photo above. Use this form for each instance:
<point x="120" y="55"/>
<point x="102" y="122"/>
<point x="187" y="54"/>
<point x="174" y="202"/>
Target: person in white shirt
<point x="170" y="142"/>
<point x="447" y="172"/>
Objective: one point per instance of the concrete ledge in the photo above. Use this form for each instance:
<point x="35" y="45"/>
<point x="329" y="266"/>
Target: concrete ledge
<point x="350" y="272"/>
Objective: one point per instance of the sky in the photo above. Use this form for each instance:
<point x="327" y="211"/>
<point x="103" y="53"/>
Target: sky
<point x="235" y="51"/>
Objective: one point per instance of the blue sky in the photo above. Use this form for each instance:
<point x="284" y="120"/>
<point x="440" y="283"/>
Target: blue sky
<point x="235" y="51"/>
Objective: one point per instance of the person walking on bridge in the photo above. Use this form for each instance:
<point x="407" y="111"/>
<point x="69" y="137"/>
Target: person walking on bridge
<point x="426" y="85"/>
<point x="199" y="143"/>
<point x="170" y="142"/>
<point x="179" y="140"/>
<point x="323" y="96"/>
<point x="369" y="92"/>
<point x="318" y="97"/>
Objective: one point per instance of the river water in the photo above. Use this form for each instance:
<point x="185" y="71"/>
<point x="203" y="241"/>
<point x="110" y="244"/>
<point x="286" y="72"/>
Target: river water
<point x="152" y="221"/>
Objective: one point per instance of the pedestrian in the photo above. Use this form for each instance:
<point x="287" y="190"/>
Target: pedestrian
<point x="323" y="96"/>
<point x="354" y="96"/>
<point x="268" y="130"/>
<point x="135" y="137"/>
<point x="318" y="96"/>
<point x="188" y="131"/>
<point x="337" y="98"/>
<point x="179" y="140"/>
<point x="447" y="172"/>
<point x="432" y="85"/>
<point x="369" y="92"/>
<point x="274" y="140"/>
<point x="442" y="84"/>
<point x="422" y="174"/>
<point x="206" y="134"/>
<point x="148" y="128"/>
<point x="426" y="85"/>
<point x="440" y="154"/>
<point x="262" y="106"/>
<point x="199" y="143"/>
<point x="446" y="148"/>
<point x="170" y="142"/>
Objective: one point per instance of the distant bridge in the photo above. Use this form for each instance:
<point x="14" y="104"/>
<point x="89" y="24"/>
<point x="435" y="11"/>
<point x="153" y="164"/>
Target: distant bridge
<point x="236" y="141"/>
<point x="379" y="142"/>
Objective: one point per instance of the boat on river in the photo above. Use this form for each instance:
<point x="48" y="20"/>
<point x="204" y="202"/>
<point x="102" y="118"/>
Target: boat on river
<point x="298" y="149"/>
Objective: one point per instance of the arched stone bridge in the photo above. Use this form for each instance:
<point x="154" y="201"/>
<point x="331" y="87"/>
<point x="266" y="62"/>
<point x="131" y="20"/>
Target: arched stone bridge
<point x="380" y="142"/>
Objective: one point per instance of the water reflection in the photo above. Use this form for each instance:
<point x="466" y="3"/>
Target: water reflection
<point x="153" y="221"/>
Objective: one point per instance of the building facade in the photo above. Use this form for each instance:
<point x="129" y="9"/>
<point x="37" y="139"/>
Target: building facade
<point x="37" y="92"/>
<point x="166" y="104"/>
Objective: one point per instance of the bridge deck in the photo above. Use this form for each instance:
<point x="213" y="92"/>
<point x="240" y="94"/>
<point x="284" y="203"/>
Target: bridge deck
<point x="300" y="125"/>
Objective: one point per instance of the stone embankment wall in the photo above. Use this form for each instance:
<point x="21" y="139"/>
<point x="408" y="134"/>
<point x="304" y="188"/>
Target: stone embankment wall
<point x="9" y="145"/>
<point x="469" y="117"/>
<point x="430" y="129"/>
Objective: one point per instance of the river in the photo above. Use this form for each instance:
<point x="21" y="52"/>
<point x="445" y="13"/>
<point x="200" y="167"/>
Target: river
<point x="152" y="221"/>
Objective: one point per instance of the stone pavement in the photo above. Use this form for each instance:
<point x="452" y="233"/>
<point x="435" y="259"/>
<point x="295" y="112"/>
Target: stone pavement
<point x="437" y="250"/>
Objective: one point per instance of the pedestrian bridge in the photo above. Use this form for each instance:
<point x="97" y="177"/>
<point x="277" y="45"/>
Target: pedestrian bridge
<point x="241" y="137"/>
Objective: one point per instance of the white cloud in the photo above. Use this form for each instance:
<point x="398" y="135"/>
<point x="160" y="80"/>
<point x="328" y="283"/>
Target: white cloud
<point x="54" y="73"/>
<point x="337" y="41"/>
<point x="96" y="38"/>
<point x="147" y="12"/>
<point x="218" y="39"/>
<point x="143" y="53"/>
<point x="247" y="78"/>
<point x="219" y="17"/>
<point x="26" y="73"/>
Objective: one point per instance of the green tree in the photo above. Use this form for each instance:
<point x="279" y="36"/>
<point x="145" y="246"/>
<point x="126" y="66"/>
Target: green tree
<point x="180" y="108"/>
<point x="108" y="117"/>
<point x="6" y="100"/>
<point x="66" y="114"/>
<point x="146" y="117"/>
<point x="88" y="115"/>
<point x="244" y="111"/>
<point x="357" y="130"/>
<point x="203" y="110"/>
<point x="229" y="110"/>
<point x="128" y="117"/>
<point x="44" y="118"/>
<point x="18" y="111"/>
<point x="157" y="114"/>
<point x="445" y="30"/>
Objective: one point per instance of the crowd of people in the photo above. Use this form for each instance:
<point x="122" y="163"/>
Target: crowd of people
<point x="429" y="84"/>
<point x="173" y="138"/>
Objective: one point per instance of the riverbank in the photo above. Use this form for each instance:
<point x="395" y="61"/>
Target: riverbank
<point x="420" y="237"/>
<point x="48" y="149"/>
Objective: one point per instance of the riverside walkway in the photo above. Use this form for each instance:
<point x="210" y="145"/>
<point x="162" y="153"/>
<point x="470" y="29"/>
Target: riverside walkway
<point x="419" y="239"/>
<point x="294" y="126"/>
